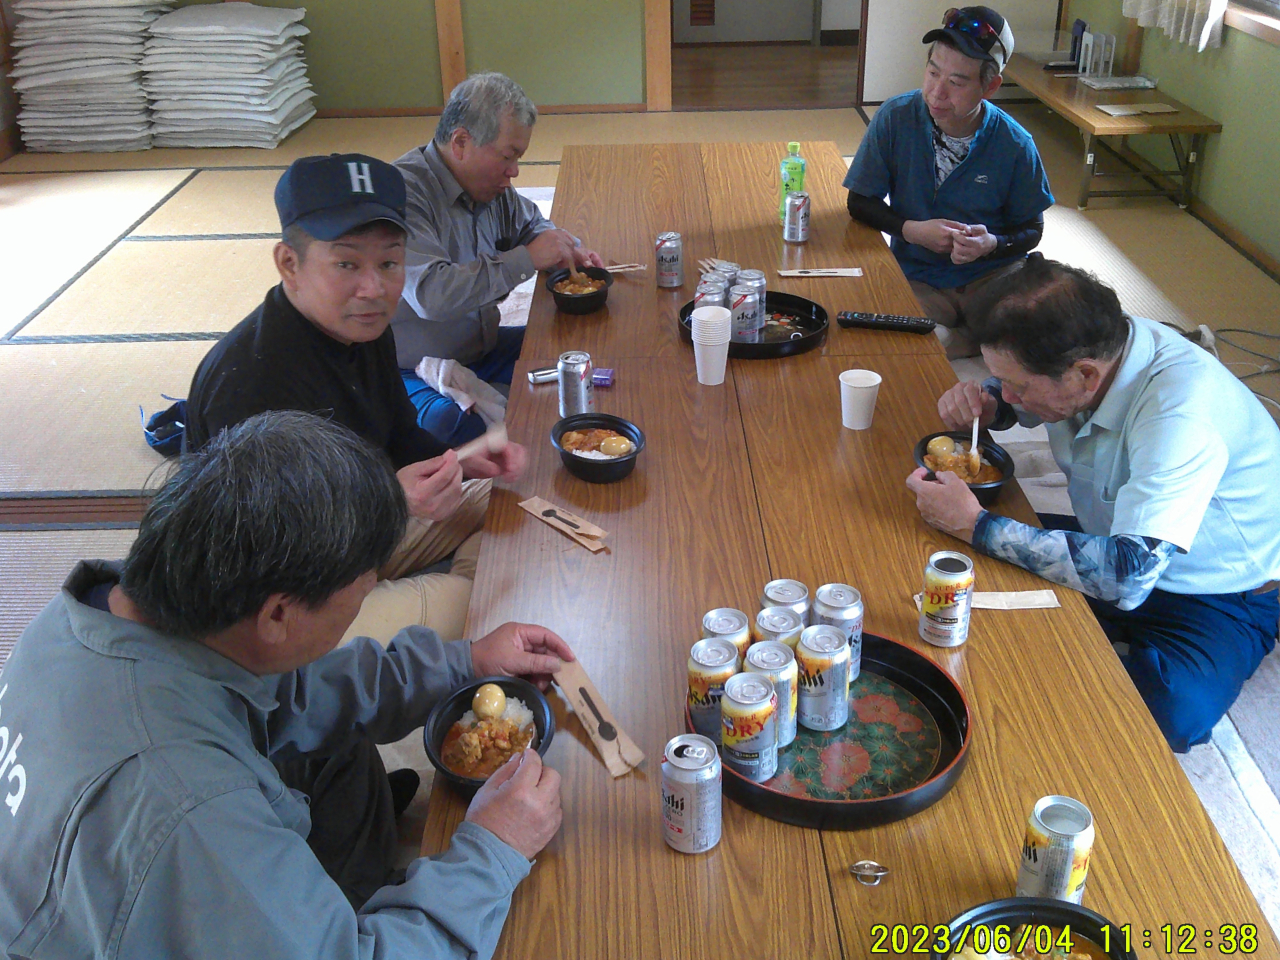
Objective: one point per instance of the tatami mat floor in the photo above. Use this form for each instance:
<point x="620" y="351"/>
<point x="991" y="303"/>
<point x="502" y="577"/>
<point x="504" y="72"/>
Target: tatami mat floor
<point x="125" y="267"/>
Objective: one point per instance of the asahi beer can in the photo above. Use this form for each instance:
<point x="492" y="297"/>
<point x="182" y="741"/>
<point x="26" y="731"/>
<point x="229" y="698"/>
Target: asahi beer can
<point x="691" y="774"/>
<point x="744" y="302"/>
<point x="728" y="624"/>
<point x="778" y="623"/>
<point x="1055" y="853"/>
<point x="777" y="661"/>
<point x="755" y="280"/>
<point x="787" y="593"/>
<point x="709" y="294"/>
<point x="840" y="605"/>
<point x="729" y="269"/>
<point x="823" y="658"/>
<point x="670" y="254"/>
<point x="577" y="387"/>
<point x="795" y="218"/>
<point x="948" y="596"/>
<point x="711" y="663"/>
<point x="716" y="276"/>
<point x="749" y="721"/>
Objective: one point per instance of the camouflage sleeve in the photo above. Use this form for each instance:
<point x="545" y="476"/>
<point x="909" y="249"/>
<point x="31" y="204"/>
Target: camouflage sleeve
<point x="1122" y="569"/>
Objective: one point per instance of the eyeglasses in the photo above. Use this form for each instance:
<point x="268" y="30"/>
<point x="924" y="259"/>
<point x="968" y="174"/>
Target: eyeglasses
<point x="971" y="26"/>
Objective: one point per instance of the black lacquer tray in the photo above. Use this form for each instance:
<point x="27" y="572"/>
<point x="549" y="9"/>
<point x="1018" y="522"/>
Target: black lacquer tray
<point x="904" y="747"/>
<point x="810" y="318"/>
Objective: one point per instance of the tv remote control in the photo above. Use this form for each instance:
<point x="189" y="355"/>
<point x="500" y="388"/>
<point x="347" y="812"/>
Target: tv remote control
<point x="885" y="321"/>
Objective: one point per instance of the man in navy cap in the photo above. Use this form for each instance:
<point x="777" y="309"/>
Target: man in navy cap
<point x="321" y="342"/>
<point x="966" y="189"/>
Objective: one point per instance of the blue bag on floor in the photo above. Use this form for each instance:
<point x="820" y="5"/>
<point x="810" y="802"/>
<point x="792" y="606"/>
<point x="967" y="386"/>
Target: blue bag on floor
<point x="165" y="428"/>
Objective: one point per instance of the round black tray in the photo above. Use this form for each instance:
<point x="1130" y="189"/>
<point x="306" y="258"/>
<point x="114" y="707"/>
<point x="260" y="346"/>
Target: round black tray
<point x="1016" y="911"/>
<point x="809" y="316"/>
<point x="928" y="692"/>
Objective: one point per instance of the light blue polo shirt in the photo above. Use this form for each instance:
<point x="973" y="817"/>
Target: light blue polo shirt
<point x="1179" y="450"/>
<point x="1001" y="184"/>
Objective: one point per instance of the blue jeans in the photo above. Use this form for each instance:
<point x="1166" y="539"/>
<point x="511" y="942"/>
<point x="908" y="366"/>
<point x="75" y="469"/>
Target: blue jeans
<point x="444" y="419"/>
<point x="1189" y="654"/>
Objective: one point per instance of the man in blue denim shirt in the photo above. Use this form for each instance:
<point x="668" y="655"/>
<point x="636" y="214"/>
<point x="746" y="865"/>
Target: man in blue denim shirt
<point x="967" y="191"/>
<point x="145" y="710"/>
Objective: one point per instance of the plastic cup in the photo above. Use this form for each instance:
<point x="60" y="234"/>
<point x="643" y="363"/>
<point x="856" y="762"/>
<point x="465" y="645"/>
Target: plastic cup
<point x="711" y="359"/>
<point x="858" y="389"/>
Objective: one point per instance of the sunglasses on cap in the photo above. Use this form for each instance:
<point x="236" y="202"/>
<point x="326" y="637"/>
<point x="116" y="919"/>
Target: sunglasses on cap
<point x="971" y="26"/>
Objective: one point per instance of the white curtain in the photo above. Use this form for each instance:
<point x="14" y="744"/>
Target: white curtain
<point x="1197" y="22"/>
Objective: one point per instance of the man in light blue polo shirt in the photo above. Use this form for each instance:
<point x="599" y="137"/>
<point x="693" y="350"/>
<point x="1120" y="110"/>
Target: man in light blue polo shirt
<point x="966" y="189"/>
<point x="1171" y="466"/>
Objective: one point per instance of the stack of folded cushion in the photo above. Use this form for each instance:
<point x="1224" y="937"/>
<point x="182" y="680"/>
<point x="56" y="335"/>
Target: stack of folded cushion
<point x="77" y="71"/>
<point x="227" y="75"/>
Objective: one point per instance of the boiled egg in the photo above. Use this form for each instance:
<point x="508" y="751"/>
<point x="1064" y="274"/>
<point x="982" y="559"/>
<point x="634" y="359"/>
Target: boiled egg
<point x="616" y="446"/>
<point x="489" y="702"/>
<point x="941" y="447"/>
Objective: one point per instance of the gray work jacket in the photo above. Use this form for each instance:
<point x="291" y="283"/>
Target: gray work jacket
<point x="462" y="258"/>
<point x="142" y="817"/>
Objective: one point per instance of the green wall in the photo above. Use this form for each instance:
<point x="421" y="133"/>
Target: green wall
<point x="370" y="54"/>
<point x="568" y="51"/>
<point x="1238" y="85"/>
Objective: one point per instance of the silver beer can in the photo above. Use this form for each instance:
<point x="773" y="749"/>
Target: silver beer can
<point x="729" y="624"/>
<point x="712" y="662"/>
<point x="947" y="598"/>
<point x="691" y="773"/>
<point x="747" y="315"/>
<point x="755" y="280"/>
<point x="1055" y="852"/>
<point x="749" y="720"/>
<point x="729" y="269"/>
<point x="577" y="387"/>
<point x="787" y="593"/>
<point x="823" y="658"/>
<point x="840" y="605"/>
<point x="778" y="623"/>
<point x="670" y="253"/>
<point x="709" y="294"/>
<point x="795" y="218"/>
<point x="715" y="276"/>
<point x="777" y="661"/>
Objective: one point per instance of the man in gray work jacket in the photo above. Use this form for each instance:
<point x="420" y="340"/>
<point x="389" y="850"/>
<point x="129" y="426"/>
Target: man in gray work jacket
<point x="142" y="710"/>
<point x="472" y="240"/>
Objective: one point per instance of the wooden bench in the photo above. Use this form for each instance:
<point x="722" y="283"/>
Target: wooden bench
<point x="1079" y="104"/>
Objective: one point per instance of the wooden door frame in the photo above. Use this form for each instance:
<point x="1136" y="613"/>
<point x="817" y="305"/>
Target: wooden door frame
<point x="657" y="54"/>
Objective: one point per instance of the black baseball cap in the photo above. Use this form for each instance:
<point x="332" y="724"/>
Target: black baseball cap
<point x="330" y="196"/>
<point x="978" y="32"/>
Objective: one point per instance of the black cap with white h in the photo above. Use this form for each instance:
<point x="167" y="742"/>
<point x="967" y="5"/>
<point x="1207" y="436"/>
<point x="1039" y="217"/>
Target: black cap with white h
<point x="329" y="197"/>
<point x="977" y="32"/>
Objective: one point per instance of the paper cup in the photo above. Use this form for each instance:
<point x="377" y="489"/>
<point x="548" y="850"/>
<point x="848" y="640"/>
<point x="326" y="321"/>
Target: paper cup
<point x="858" y="389"/>
<point x="711" y="359"/>
<point x="710" y="324"/>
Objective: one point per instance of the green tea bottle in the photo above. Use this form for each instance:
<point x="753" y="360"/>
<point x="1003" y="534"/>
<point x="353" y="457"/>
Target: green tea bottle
<point x="792" y="176"/>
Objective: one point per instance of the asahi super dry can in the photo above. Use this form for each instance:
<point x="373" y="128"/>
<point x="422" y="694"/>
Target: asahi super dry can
<point x="823" y="658"/>
<point x="795" y="218"/>
<point x="787" y="593"/>
<point x="947" y="598"/>
<point x="1055" y="853"/>
<point x="748" y="316"/>
<point x="749" y="717"/>
<point x="577" y="385"/>
<point x="728" y="624"/>
<point x="708" y="294"/>
<point x="711" y="663"/>
<point x="778" y="623"/>
<point x="670" y="255"/>
<point x="691" y="775"/>
<point x="777" y="661"/>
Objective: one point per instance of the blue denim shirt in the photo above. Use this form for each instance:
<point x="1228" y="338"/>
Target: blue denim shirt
<point x="145" y="819"/>
<point x="1001" y="183"/>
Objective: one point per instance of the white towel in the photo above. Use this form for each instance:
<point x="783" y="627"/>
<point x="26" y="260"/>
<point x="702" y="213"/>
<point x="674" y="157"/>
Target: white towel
<point x="464" y="388"/>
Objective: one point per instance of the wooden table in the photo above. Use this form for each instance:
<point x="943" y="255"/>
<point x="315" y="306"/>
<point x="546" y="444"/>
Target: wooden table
<point x="756" y="479"/>
<point x="1079" y="104"/>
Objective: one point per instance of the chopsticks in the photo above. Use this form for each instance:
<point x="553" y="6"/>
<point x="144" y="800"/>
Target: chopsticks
<point x="709" y="265"/>
<point x="626" y="267"/>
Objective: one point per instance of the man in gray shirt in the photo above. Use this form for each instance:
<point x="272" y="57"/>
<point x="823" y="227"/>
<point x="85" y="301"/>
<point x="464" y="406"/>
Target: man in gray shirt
<point x="472" y="240"/>
<point x="145" y="712"/>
